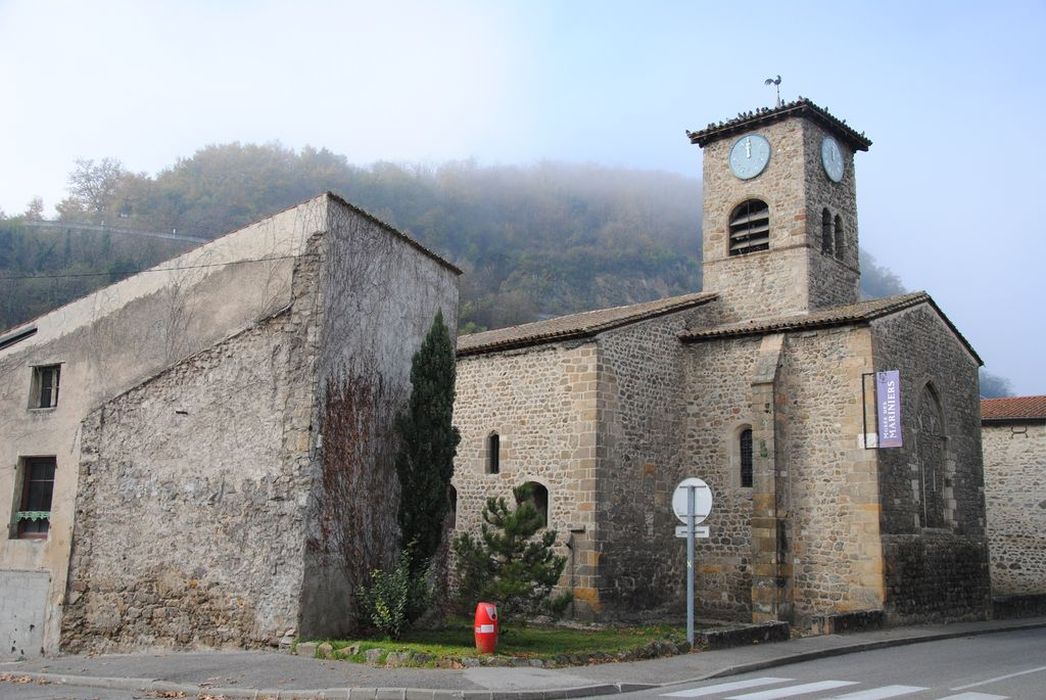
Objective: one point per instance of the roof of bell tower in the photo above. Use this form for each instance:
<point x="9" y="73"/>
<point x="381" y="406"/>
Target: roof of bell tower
<point x="802" y="107"/>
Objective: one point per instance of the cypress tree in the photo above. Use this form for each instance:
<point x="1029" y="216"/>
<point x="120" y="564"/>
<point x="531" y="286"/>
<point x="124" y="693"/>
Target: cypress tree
<point x="428" y="443"/>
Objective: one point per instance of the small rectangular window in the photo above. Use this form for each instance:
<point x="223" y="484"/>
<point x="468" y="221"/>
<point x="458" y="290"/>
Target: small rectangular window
<point x="44" y="389"/>
<point x="33" y="517"/>
<point x="745" y="441"/>
<point x="493" y="453"/>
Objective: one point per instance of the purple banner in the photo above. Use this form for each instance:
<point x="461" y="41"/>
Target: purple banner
<point x="888" y="396"/>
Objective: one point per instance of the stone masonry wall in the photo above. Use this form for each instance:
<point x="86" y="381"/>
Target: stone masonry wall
<point x="792" y="276"/>
<point x="378" y="296"/>
<point x="717" y="383"/>
<point x="189" y="527"/>
<point x="834" y="277"/>
<point x="831" y="495"/>
<point x="936" y="562"/>
<point x="641" y="460"/>
<point x="542" y="403"/>
<point x="1014" y="467"/>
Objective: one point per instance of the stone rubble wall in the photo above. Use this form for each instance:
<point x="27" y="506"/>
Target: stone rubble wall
<point x="932" y="572"/>
<point x="377" y="298"/>
<point x="826" y="493"/>
<point x="1014" y="468"/>
<point x="834" y="278"/>
<point x="831" y="484"/>
<point x="190" y="522"/>
<point x="542" y="402"/>
<point x="717" y="385"/>
<point x="641" y="459"/>
<point x="116" y="338"/>
<point x="793" y="276"/>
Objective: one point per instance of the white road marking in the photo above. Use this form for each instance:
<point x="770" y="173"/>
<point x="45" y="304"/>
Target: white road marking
<point x="725" y="687"/>
<point x="1001" y="678"/>
<point x="792" y="690"/>
<point x="887" y="691"/>
<point x="976" y="696"/>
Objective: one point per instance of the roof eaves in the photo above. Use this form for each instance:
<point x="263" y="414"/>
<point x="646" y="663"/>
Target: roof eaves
<point x="579" y="332"/>
<point x="766" y="115"/>
<point x="409" y="240"/>
<point x="1013" y="420"/>
<point x="803" y="323"/>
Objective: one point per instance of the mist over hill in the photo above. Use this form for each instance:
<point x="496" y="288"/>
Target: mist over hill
<point x="534" y="241"/>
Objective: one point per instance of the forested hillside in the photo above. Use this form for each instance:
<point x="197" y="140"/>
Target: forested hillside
<point x="533" y="241"/>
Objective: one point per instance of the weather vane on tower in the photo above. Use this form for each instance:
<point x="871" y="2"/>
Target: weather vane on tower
<point x="777" y="83"/>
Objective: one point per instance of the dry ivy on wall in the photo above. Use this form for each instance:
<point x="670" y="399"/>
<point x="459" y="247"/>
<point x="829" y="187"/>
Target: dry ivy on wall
<point x="357" y="514"/>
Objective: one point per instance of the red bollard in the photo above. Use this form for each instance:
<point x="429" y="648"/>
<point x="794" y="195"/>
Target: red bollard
<point x="486" y="628"/>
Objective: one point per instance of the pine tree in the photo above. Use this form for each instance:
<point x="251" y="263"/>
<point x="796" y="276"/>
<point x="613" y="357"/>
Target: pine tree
<point x="507" y="565"/>
<point x="428" y="443"/>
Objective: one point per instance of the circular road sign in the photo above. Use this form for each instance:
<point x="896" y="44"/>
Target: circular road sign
<point x="702" y="499"/>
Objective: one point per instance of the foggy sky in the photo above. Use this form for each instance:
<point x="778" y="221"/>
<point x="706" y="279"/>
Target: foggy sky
<point x="951" y="94"/>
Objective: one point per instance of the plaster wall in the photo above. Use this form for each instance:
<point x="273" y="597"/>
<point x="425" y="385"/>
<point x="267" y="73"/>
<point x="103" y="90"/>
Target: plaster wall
<point x="377" y="296"/>
<point x="112" y="340"/>
<point x="190" y="522"/>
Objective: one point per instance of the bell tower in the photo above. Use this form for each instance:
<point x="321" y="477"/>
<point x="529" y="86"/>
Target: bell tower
<point x="780" y="211"/>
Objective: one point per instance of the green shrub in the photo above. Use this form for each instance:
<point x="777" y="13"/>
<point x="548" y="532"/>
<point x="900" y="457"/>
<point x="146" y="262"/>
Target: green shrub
<point x="510" y="565"/>
<point x="395" y="599"/>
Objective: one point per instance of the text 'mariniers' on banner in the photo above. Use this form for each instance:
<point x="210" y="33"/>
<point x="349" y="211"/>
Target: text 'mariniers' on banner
<point x="888" y="396"/>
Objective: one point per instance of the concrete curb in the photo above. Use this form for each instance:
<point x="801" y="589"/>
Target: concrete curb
<point x="147" y="684"/>
<point x="855" y="648"/>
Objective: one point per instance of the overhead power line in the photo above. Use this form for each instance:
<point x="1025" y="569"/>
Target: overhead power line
<point x="146" y="270"/>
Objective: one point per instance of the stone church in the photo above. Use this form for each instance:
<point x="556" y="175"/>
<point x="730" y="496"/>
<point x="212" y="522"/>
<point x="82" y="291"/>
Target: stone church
<point x="763" y="385"/>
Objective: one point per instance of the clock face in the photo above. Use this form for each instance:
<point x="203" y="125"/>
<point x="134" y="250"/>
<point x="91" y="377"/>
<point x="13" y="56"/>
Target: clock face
<point x="749" y="156"/>
<point x="832" y="159"/>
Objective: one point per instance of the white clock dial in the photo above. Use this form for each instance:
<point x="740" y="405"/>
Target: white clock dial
<point x="749" y="156"/>
<point x="832" y="159"/>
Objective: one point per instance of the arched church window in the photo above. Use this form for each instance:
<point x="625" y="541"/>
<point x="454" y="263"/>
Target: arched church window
<point x="537" y="495"/>
<point x="930" y="445"/>
<point x="839" y="236"/>
<point x="826" y="232"/>
<point x="750" y="227"/>
<point x="745" y="448"/>
<point x="493" y="453"/>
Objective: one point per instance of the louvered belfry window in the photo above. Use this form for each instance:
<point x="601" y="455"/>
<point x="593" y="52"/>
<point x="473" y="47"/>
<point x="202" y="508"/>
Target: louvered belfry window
<point x="750" y="227"/>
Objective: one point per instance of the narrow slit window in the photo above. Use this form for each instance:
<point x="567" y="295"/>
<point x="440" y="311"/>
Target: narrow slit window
<point x="493" y="453"/>
<point x="750" y="227"/>
<point x="44" y="388"/>
<point x="826" y="232"/>
<point x="745" y="445"/>
<point x="839" y="237"/>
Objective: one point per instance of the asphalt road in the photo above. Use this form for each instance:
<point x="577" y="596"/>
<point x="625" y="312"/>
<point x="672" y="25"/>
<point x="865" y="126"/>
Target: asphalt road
<point x="36" y="691"/>
<point x="1002" y="666"/>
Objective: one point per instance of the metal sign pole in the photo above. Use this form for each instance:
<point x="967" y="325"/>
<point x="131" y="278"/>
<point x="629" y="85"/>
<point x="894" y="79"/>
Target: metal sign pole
<point x="690" y="565"/>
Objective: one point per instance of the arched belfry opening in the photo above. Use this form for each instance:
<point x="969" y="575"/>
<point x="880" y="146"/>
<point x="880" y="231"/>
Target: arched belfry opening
<point x="750" y="227"/>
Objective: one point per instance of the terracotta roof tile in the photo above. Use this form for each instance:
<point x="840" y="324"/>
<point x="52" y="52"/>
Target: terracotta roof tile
<point x="766" y="115"/>
<point x="1012" y="408"/>
<point x="580" y="325"/>
<point x="859" y="313"/>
